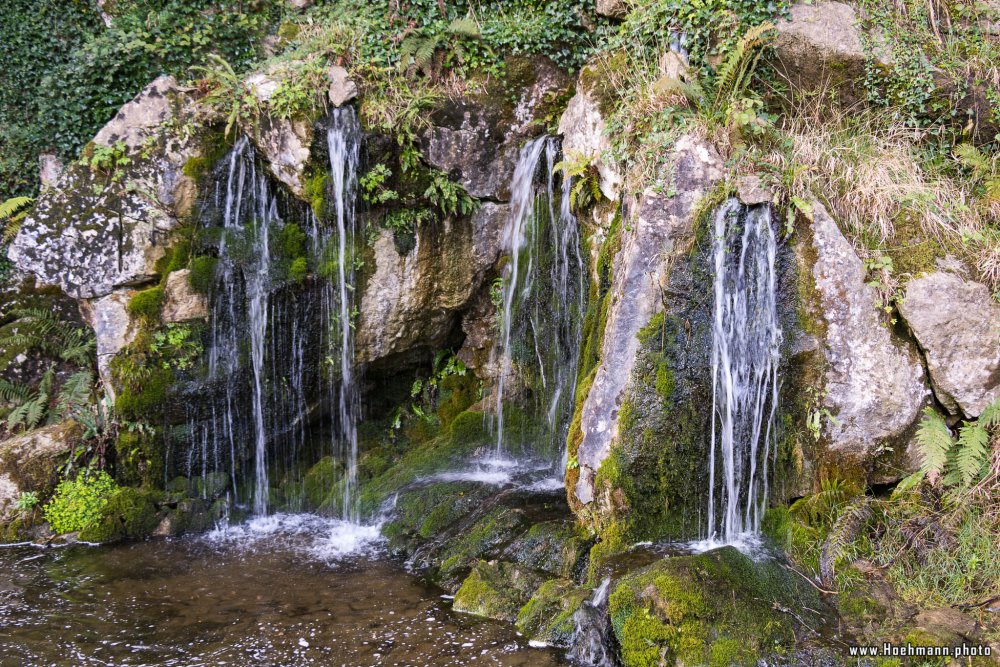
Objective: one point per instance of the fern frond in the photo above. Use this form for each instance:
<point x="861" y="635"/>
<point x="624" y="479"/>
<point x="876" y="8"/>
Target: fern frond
<point x="846" y="528"/>
<point x="13" y="391"/>
<point x="973" y="453"/>
<point x="990" y="416"/>
<point x="934" y="441"/>
<point x="464" y="28"/>
<point x="423" y="57"/>
<point x="13" y="205"/>
<point x="738" y="67"/>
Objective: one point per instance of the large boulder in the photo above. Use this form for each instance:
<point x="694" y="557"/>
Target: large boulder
<point x="820" y="47"/>
<point x="284" y="143"/>
<point x="104" y="225"/>
<point x="655" y="235"/>
<point x="477" y="140"/>
<point x="413" y="299"/>
<point x="584" y="131"/>
<point x="957" y="324"/>
<point x="872" y="382"/>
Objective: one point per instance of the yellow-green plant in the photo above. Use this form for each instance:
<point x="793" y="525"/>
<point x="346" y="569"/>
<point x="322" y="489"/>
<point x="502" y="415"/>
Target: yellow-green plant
<point x="12" y="214"/>
<point x="78" y="503"/>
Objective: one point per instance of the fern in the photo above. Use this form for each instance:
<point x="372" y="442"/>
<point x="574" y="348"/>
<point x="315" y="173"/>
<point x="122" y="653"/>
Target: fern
<point x="973" y="453"/>
<point x="75" y="393"/>
<point x="12" y="392"/>
<point x="845" y="529"/>
<point x="12" y="212"/>
<point x="934" y="442"/>
<point x="737" y="69"/>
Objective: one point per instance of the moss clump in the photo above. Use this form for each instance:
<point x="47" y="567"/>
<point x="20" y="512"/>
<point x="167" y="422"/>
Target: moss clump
<point x="79" y="504"/>
<point x="149" y="398"/>
<point x="298" y="270"/>
<point x="717" y="608"/>
<point x="129" y="514"/>
<point x="315" y="191"/>
<point x="146" y="304"/>
<point x="138" y="458"/>
<point x="496" y="590"/>
<point x="319" y="480"/>
<point x="202" y="274"/>
<point x="175" y="258"/>
<point x="427" y="511"/>
<point x="548" y="615"/>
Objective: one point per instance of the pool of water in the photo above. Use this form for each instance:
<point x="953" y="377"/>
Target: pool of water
<point x="287" y="590"/>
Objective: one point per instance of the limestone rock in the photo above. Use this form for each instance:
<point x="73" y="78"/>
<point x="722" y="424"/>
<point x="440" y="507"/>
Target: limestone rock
<point x="180" y="302"/>
<point x="583" y="128"/>
<point x="412" y="300"/>
<point x="615" y="9"/>
<point x="752" y="191"/>
<point x="821" y="46"/>
<point x="874" y="384"/>
<point x="284" y="143"/>
<point x="957" y="324"/>
<point x="113" y="326"/>
<point x="342" y="88"/>
<point x="648" y="246"/>
<point x="477" y="140"/>
<point x="89" y="234"/>
<point x="50" y="169"/>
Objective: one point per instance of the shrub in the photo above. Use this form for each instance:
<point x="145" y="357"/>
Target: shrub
<point x="78" y="504"/>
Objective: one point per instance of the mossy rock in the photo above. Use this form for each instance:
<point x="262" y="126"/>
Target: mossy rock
<point x="548" y="616"/>
<point x="556" y="547"/>
<point x="427" y="511"/>
<point x="716" y="608"/>
<point x="130" y="514"/>
<point x="490" y="533"/>
<point x="496" y="590"/>
<point x="201" y="276"/>
<point x="319" y="480"/>
<point x="146" y="304"/>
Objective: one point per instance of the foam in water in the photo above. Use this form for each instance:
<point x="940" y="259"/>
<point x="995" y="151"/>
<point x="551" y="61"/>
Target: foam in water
<point x="319" y="537"/>
<point x="746" y="341"/>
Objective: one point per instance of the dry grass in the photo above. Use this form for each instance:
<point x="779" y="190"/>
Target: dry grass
<point x="865" y="167"/>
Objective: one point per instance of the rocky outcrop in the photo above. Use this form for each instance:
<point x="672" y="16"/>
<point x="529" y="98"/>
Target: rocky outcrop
<point x="283" y="142"/>
<point x="104" y="224"/>
<point x="180" y="302"/>
<point x="872" y="383"/>
<point x="342" y="89"/>
<point x="412" y="300"/>
<point x="957" y="324"/>
<point x="660" y="225"/>
<point x="820" y="47"/>
<point x="31" y="462"/>
<point x="584" y="132"/>
<point x="113" y="326"/>
<point x="477" y="141"/>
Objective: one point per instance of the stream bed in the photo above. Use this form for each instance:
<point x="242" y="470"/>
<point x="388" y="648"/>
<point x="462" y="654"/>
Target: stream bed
<point x="283" y="590"/>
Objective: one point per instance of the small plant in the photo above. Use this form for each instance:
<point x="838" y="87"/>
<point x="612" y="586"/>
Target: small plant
<point x="176" y="346"/>
<point x="228" y="93"/>
<point x="373" y="186"/>
<point x="961" y="462"/>
<point x="435" y="51"/>
<point x="78" y="503"/>
<point x="586" y="189"/>
<point x="27" y="501"/>
<point x="817" y="412"/>
<point x="448" y="196"/>
<point x="12" y="214"/>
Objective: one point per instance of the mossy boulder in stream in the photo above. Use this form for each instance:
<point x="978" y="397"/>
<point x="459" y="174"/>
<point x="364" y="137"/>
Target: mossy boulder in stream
<point x="718" y="608"/>
<point x="497" y="590"/>
<point x="548" y="616"/>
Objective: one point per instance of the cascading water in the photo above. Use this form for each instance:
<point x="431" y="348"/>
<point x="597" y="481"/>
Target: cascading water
<point x="543" y="292"/>
<point x="746" y="341"/>
<point x="343" y="140"/>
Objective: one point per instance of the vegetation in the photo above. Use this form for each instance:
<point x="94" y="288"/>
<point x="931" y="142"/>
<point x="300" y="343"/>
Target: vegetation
<point x="78" y="504"/>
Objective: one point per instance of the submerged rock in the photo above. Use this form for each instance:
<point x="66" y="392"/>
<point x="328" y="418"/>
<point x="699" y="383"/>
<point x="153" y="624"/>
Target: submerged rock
<point x="957" y="324"/>
<point x="872" y="382"/>
<point x="662" y="224"/>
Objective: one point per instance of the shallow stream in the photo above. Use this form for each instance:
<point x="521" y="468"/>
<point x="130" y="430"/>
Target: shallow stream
<point x="285" y="590"/>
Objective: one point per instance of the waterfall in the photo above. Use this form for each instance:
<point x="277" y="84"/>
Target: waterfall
<point x="746" y="341"/>
<point x="343" y="140"/>
<point x="543" y="293"/>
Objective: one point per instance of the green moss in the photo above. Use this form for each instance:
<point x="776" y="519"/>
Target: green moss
<point x="548" y="615"/>
<point x="174" y="258"/>
<point x="496" y="590"/>
<point x="139" y="458"/>
<point x="319" y="480"/>
<point x="129" y="514"/>
<point x="556" y="547"/>
<point x="315" y="191"/>
<point x="496" y="528"/>
<point x="298" y="270"/>
<point x="202" y="274"/>
<point x="716" y="608"/>
<point x="146" y="304"/>
<point x="292" y="241"/>
<point x="149" y="399"/>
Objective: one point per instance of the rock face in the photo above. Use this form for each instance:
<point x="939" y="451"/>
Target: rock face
<point x="342" y="89"/>
<point x="91" y="233"/>
<point x="648" y="246"/>
<point x="113" y="326"/>
<point x="583" y="129"/>
<point x="821" y="46"/>
<point x="478" y="141"/>
<point x="874" y="385"/>
<point x="413" y="299"/>
<point x="283" y="142"/>
<point x="30" y="462"/>
<point x="957" y="324"/>
<point x="180" y="302"/>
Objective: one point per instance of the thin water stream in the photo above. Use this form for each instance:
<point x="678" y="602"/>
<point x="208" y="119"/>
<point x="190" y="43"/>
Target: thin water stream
<point x="283" y="590"/>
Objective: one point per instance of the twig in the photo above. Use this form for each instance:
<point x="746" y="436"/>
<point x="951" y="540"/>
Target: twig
<point x="811" y="583"/>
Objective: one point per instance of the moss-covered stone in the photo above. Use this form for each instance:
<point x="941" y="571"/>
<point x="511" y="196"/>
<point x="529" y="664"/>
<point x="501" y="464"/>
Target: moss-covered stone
<point x="319" y="480"/>
<point x="496" y="590"/>
<point x="130" y="513"/>
<point x="716" y="608"/>
<point x="548" y="616"/>
<point x="486" y="536"/>
<point x="146" y="304"/>
<point x="556" y="547"/>
<point x="202" y="274"/>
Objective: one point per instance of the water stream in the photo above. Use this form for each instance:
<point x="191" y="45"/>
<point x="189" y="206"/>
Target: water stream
<point x="746" y="342"/>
